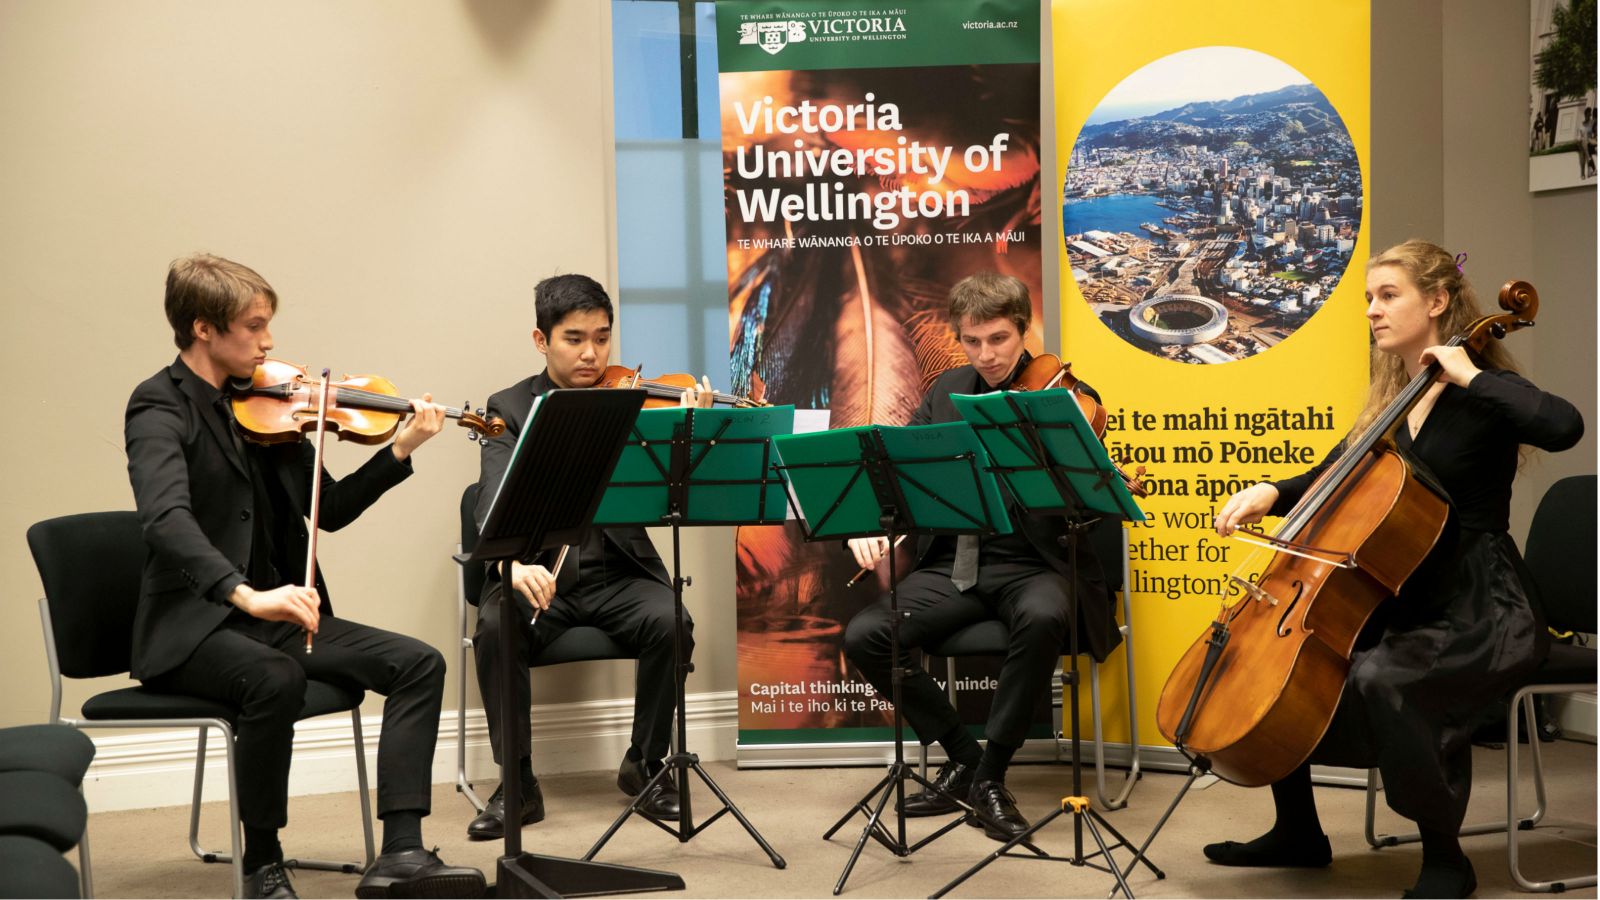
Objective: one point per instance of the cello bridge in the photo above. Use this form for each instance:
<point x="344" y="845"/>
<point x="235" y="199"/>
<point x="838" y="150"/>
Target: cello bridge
<point x="1254" y="590"/>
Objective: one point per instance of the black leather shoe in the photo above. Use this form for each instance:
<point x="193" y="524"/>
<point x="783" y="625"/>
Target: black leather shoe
<point x="661" y="802"/>
<point x="954" y="779"/>
<point x="491" y="823"/>
<point x="271" y="880"/>
<point x="997" y="811"/>
<point x="419" y="873"/>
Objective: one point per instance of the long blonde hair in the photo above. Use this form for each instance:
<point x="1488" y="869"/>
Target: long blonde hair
<point x="1430" y="267"/>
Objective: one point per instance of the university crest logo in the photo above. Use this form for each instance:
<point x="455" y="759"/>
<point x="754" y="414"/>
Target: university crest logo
<point x="771" y="36"/>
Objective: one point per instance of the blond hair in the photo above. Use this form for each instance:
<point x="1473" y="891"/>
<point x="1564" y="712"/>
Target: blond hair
<point x="1431" y="268"/>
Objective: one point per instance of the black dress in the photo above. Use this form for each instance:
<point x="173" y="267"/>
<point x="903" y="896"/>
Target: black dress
<point x="1466" y="627"/>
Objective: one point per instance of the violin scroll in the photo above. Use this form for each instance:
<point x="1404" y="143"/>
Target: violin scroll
<point x="479" y="428"/>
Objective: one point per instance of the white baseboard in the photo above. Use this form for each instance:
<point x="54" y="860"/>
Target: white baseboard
<point x="142" y="771"/>
<point x="1576" y="714"/>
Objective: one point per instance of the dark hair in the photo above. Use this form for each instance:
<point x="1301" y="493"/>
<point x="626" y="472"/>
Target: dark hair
<point x="990" y="295"/>
<point x="561" y="295"/>
<point x="211" y="289"/>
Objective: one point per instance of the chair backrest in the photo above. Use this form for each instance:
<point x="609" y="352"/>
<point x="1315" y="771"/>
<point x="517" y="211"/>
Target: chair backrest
<point x="91" y="565"/>
<point x="1561" y="553"/>
<point x="471" y="572"/>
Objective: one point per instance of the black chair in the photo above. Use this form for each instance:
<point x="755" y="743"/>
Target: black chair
<point x="579" y="644"/>
<point x="91" y="566"/>
<point x="989" y="638"/>
<point x="41" y="770"/>
<point x="34" y="868"/>
<point x="1561" y="557"/>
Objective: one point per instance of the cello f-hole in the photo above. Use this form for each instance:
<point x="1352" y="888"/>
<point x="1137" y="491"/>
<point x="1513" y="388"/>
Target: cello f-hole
<point x="1299" y="588"/>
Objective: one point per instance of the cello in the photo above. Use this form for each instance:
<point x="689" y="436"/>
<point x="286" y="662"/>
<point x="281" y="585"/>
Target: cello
<point x="1256" y="692"/>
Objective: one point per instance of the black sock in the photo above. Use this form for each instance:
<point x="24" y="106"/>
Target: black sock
<point x="1295" y="839"/>
<point x="261" y="847"/>
<point x="992" y="767"/>
<point x="1296" y="805"/>
<point x="961" y="746"/>
<point x="634" y="754"/>
<point x="1446" y="871"/>
<point x="402" y="830"/>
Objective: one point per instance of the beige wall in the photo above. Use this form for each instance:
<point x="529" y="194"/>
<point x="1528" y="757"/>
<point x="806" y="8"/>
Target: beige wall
<point x="401" y="173"/>
<point x="1450" y="108"/>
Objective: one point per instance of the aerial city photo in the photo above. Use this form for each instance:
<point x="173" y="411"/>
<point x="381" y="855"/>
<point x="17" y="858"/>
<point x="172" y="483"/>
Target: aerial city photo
<point x="1210" y="205"/>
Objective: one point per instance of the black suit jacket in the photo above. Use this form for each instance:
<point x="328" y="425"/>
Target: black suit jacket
<point x="195" y="504"/>
<point x="513" y="405"/>
<point x="1098" y="632"/>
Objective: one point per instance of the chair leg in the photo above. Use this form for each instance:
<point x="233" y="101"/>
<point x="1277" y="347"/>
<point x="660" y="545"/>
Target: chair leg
<point x="235" y="827"/>
<point x="1511" y="824"/>
<point x="361" y="786"/>
<point x="463" y="786"/>
<point x="1524" y="699"/>
<point x="85" y="878"/>
<point x="194" y="804"/>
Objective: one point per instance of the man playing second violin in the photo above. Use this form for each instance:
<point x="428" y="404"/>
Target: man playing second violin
<point x="220" y="615"/>
<point x="614" y="580"/>
<point x="1019" y="578"/>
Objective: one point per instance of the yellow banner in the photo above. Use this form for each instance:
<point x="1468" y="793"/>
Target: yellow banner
<point x="1213" y="160"/>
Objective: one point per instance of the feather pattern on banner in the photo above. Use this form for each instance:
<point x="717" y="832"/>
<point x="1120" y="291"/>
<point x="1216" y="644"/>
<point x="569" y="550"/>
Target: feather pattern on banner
<point x="874" y="367"/>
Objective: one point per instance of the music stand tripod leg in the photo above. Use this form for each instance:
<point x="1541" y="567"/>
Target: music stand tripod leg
<point x="682" y="761"/>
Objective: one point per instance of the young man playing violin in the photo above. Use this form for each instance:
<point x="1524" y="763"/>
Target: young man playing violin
<point x="614" y="580"/>
<point x="1020" y="579"/>
<point x="220" y="615"/>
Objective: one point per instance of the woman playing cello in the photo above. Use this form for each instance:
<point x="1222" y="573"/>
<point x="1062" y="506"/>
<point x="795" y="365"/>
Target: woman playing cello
<point x="1463" y="628"/>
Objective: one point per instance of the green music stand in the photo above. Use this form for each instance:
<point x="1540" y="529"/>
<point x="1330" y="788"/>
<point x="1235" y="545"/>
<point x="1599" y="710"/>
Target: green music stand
<point x="1047" y="453"/>
<point x="693" y="467"/>
<point x="891" y="481"/>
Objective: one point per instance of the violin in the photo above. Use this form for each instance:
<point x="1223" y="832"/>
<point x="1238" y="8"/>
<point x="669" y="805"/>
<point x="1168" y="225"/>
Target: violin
<point x="1255" y="692"/>
<point x="282" y="402"/>
<point x="664" y="390"/>
<point x="282" y="405"/>
<point x="1047" y="371"/>
<point x="1042" y="373"/>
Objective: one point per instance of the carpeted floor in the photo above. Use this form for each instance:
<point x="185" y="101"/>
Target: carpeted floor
<point x="142" y="853"/>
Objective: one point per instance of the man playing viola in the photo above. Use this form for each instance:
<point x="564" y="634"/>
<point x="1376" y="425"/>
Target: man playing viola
<point x="1019" y="578"/>
<point x="220" y="615"/>
<point x="614" y="580"/>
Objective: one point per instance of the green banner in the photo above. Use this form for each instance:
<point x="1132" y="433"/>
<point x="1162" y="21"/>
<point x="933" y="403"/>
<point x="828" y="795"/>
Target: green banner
<point x="767" y="35"/>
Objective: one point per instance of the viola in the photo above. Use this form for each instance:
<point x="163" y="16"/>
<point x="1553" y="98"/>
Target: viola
<point x="282" y="402"/>
<point x="1042" y="373"/>
<point x="1256" y="691"/>
<point x="1047" y="371"/>
<point x="664" y="390"/>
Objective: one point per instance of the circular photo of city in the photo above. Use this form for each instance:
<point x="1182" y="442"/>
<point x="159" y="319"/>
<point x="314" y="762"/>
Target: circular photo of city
<point x="1210" y="205"/>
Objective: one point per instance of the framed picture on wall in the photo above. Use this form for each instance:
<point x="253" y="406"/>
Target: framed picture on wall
<point x="1561" y="94"/>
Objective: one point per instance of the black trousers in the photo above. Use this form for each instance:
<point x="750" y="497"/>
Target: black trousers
<point x="261" y="667"/>
<point x="636" y="612"/>
<point x="1030" y="599"/>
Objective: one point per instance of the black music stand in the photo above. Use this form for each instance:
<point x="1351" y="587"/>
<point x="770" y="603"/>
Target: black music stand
<point x="1047" y="453"/>
<point x="547" y="498"/>
<point x="875" y="481"/>
<point x="682" y="468"/>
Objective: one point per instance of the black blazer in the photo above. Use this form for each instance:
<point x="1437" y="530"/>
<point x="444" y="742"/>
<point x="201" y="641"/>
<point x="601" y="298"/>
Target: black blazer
<point x="1098" y="631"/>
<point x="195" y="503"/>
<point x="512" y="405"/>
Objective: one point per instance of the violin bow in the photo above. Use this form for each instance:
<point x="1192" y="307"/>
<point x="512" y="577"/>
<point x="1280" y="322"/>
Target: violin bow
<point x="316" y="492"/>
<point x="554" y="573"/>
